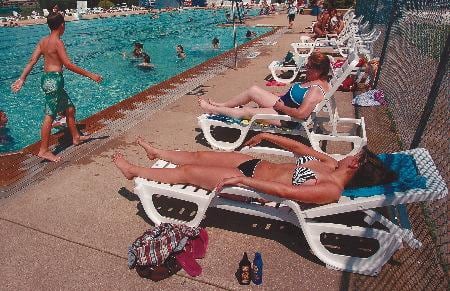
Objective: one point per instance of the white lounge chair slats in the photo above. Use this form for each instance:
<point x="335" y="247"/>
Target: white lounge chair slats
<point x="305" y="217"/>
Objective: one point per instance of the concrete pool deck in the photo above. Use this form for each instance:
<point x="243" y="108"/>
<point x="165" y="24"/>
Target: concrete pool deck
<point x="70" y="228"/>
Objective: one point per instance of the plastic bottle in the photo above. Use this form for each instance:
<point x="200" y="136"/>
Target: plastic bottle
<point x="245" y="270"/>
<point x="257" y="269"/>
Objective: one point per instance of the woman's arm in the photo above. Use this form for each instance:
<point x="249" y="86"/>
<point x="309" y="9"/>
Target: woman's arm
<point x="312" y="98"/>
<point x="291" y="145"/>
<point x="318" y="194"/>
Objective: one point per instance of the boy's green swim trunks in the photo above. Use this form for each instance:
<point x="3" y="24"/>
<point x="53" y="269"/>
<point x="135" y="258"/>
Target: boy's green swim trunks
<point x="56" y="98"/>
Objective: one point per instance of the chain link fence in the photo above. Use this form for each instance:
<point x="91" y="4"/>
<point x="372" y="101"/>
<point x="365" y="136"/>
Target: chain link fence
<point x="413" y="51"/>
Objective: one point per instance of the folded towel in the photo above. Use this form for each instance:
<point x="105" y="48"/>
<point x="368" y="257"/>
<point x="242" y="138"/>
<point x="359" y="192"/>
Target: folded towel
<point x="408" y="177"/>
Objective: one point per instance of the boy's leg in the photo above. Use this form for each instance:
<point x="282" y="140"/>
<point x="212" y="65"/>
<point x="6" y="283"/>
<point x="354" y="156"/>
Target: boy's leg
<point x="71" y="124"/>
<point x="44" y="151"/>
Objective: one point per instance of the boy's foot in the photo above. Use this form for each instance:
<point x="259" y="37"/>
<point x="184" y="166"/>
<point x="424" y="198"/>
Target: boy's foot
<point x="151" y="151"/>
<point x="49" y="156"/>
<point x="81" y="139"/>
<point x="123" y="165"/>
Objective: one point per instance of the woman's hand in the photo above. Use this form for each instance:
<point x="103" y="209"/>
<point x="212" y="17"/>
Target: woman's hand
<point x="255" y="140"/>
<point x="227" y="182"/>
<point x="278" y="105"/>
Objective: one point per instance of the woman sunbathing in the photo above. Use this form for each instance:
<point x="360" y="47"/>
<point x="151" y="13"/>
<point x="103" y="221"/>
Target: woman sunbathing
<point x="314" y="178"/>
<point x="298" y="102"/>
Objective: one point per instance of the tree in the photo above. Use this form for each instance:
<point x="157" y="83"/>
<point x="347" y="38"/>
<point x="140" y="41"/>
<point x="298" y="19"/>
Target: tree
<point x="105" y="4"/>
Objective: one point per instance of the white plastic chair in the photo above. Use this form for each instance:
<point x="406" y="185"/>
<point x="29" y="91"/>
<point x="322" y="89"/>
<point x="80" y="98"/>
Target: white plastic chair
<point x="305" y="216"/>
<point x="308" y="127"/>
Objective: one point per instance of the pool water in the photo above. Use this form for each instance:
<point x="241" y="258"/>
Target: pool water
<point x="98" y="46"/>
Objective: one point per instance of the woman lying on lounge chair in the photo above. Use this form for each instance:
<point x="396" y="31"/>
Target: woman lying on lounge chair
<point x="298" y="102"/>
<point x="314" y="178"/>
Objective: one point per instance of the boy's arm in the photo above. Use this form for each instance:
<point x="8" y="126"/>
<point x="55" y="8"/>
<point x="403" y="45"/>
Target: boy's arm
<point x="62" y="54"/>
<point x="17" y="85"/>
<point x="292" y="146"/>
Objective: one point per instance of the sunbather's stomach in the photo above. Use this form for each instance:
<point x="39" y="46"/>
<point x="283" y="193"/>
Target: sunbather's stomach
<point x="281" y="173"/>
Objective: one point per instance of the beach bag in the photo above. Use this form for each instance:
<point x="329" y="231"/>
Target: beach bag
<point x="154" y="246"/>
<point x="158" y="273"/>
<point x="370" y="98"/>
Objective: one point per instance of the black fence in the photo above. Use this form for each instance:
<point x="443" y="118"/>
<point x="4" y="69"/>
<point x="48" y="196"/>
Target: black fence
<point x="413" y="51"/>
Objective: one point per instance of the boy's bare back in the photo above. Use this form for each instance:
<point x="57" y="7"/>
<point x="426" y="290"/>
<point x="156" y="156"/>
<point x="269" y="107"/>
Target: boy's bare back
<point x="49" y="49"/>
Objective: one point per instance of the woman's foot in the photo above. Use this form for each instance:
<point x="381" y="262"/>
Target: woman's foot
<point x="206" y="106"/>
<point x="151" y="151"/>
<point x="215" y="103"/>
<point x="80" y="139"/>
<point x="123" y="165"/>
<point x="49" y="156"/>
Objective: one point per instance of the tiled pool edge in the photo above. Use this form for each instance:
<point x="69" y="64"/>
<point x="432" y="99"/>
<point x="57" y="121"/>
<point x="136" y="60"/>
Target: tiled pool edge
<point x="22" y="169"/>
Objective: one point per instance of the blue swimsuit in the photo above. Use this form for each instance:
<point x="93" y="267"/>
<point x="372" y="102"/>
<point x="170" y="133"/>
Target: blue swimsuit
<point x="294" y="97"/>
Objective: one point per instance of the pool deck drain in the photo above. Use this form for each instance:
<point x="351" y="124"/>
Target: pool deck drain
<point x="22" y="169"/>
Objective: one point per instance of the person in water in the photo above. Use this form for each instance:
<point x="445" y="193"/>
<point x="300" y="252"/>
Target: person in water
<point x="298" y="102"/>
<point x="5" y="137"/>
<point x="313" y="178"/>
<point x="146" y="62"/>
<point x="250" y="34"/>
<point x="215" y="43"/>
<point x="180" y="52"/>
<point x="52" y="83"/>
<point x="138" y="50"/>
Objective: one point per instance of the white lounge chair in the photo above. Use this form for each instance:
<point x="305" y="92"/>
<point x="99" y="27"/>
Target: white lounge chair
<point x="307" y="127"/>
<point x="301" y="54"/>
<point x="305" y="216"/>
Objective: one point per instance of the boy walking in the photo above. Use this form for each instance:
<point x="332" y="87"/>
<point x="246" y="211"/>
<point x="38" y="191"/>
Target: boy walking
<point x="52" y="83"/>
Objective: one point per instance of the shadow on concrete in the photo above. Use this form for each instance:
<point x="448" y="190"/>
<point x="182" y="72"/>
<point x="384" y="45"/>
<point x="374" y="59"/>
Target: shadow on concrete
<point x="65" y="140"/>
<point x="282" y="232"/>
<point x="232" y="134"/>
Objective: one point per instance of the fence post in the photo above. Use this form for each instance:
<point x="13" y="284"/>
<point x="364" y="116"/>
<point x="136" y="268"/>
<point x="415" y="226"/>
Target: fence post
<point x="374" y="13"/>
<point x="432" y="96"/>
<point x="394" y="14"/>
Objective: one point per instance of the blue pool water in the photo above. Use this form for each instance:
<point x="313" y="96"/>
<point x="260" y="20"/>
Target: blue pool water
<point x="97" y="45"/>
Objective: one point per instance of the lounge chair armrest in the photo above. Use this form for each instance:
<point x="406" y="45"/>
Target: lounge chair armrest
<point x="271" y="117"/>
<point x="331" y="35"/>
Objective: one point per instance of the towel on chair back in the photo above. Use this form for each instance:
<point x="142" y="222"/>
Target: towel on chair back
<point x="155" y="245"/>
<point x="408" y="178"/>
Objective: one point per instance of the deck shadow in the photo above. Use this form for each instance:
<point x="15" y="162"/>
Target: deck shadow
<point x="284" y="233"/>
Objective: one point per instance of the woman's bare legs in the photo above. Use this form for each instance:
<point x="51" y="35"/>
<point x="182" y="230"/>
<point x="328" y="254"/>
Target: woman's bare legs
<point x="200" y="158"/>
<point x="206" y="177"/>
<point x="244" y="112"/>
<point x="256" y="94"/>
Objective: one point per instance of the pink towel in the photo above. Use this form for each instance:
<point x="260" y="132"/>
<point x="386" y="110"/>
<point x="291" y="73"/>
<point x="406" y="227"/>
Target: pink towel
<point x="194" y="249"/>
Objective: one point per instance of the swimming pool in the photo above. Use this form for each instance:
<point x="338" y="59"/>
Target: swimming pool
<point x="98" y="45"/>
